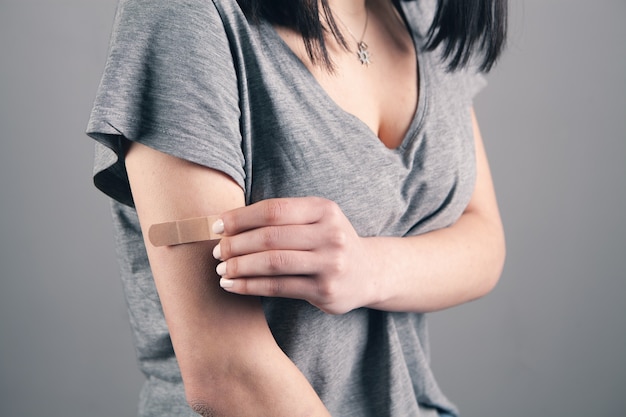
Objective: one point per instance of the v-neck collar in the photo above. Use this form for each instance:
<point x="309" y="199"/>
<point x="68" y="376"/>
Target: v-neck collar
<point x="322" y="95"/>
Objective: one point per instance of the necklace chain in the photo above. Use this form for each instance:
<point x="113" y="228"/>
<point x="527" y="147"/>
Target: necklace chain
<point x="363" y="54"/>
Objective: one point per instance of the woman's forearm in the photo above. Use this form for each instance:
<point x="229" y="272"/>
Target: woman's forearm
<point x="437" y="270"/>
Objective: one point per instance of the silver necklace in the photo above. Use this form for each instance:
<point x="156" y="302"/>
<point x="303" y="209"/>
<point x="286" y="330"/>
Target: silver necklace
<point x="362" y="53"/>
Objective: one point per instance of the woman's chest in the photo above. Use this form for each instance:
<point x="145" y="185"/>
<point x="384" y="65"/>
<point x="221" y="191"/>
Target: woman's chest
<point x="298" y="148"/>
<point x="299" y="142"/>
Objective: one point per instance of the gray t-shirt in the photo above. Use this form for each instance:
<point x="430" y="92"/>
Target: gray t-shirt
<point x="195" y="79"/>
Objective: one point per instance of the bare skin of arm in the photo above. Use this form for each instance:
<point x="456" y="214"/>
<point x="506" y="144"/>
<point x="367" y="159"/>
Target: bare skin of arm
<point x="452" y="265"/>
<point x="230" y="363"/>
<point x="306" y="248"/>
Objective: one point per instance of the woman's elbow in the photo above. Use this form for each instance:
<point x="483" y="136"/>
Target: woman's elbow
<point x="202" y="408"/>
<point x="205" y="400"/>
<point x="495" y="267"/>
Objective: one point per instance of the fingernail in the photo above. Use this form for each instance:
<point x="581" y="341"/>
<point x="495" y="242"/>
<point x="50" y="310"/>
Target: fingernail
<point x="226" y="283"/>
<point x="218" y="226"/>
<point x="217" y="252"/>
<point x="221" y="269"/>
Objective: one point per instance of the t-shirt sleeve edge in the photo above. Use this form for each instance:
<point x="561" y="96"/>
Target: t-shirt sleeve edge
<point x="113" y="137"/>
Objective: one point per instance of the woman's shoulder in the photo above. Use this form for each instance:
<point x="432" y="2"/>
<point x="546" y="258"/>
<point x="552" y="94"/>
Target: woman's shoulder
<point x="172" y="24"/>
<point x="420" y="14"/>
<point x="174" y="14"/>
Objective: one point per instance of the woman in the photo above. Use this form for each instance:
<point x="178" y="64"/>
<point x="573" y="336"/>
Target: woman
<point x="337" y="144"/>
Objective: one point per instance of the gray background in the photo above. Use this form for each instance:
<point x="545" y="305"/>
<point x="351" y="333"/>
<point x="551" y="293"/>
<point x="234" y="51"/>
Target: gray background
<point x="550" y="340"/>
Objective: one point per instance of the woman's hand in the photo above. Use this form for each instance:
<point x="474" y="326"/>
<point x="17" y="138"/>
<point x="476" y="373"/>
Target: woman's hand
<point x="302" y="248"/>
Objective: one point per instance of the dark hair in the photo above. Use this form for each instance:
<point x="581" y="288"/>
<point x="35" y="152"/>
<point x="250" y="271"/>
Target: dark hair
<point x="463" y="28"/>
<point x="468" y="26"/>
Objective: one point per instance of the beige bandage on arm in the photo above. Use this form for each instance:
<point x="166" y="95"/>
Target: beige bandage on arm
<point x="183" y="231"/>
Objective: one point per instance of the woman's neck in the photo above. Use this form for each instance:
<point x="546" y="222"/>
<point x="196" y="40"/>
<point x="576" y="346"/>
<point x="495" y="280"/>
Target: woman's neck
<point x="349" y="8"/>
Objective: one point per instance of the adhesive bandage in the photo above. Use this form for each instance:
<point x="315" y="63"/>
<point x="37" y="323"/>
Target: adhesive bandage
<point x="183" y="231"/>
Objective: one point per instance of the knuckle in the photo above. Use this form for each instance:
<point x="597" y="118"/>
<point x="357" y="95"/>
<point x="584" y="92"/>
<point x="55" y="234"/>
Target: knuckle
<point x="273" y="210"/>
<point x="331" y="208"/>
<point x="337" y="265"/>
<point x="231" y="223"/>
<point x="226" y="248"/>
<point x="232" y="267"/>
<point x="337" y="238"/>
<point x="276" y="261"/>
<point x="274" y="287"/>
<point x="244" y="286"/>
<point x="327" y="291"/>
<point x="270" y="236"/>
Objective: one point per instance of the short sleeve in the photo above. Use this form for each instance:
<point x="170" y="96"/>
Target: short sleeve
<point x="169" y="83"/>
<point x="475" y="82"/>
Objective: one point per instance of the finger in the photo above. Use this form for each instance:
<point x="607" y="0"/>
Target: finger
<point x="270" y="263"/>
<point x="297" y="287"/>
<point x="275" y="212"/>
<point x="300" y="237"/>
<point x="294" y="287"/>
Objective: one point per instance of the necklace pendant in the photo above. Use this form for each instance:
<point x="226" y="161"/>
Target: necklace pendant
<point x="362" y="54"/>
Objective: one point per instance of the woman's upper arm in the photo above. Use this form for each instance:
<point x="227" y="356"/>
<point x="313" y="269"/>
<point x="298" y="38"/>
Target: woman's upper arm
<point x="483" y="199"/>
<point x="205" y="322"/>
<point x="229" y="360"/>
<point x="167" y="188"/>
<point x="484" y="206"/>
